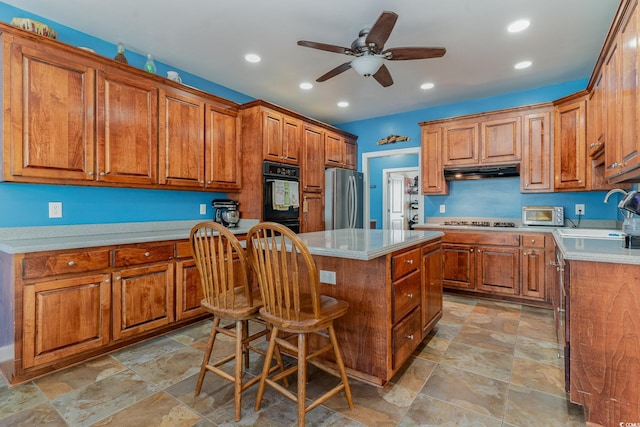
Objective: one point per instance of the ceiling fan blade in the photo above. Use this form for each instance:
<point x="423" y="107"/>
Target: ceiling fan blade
<point x="404" y="53"/>
<point x="381" y="30"/>
<point x="324" y="46"/>
<point x="339" y="69"/>
<point x="383" y="76"/>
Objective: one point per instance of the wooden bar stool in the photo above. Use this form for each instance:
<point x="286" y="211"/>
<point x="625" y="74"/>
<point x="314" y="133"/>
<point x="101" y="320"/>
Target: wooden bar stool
<point x="228" y="295"/>
<point x="289" y="280"/>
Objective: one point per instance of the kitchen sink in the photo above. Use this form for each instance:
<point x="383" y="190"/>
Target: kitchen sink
<point x="591" y="233"/>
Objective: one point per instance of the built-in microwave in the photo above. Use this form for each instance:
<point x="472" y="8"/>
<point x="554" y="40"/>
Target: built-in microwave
<point x="543" y="215"/>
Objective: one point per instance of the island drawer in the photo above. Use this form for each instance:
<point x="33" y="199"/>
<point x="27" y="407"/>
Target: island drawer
<point x="497" y="238"/>
<point x="406" y="295"/>
<point x="406" y="337"/>
<point x="533" y="240"/>
<point x="143" y="254"/>
<point x="53" y="264"/>
<point x="404" y="263"/>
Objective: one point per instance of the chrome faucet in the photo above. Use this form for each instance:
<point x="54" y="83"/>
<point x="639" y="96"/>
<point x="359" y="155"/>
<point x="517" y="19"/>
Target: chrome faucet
<point x="627" y="214"/>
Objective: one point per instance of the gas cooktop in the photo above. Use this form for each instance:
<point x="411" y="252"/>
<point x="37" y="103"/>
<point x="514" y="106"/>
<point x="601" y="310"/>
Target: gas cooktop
<point x="481" y="223"/>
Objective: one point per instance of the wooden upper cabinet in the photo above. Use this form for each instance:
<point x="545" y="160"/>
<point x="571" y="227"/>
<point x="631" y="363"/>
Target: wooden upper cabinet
<point x="595" y="119"/>
<point x="500" y="139"/>
<point x="281" y="137"/>
<point x="49" y="118"/>
<point x="312" y="170"/>
<point x="570" y="146"/>
<point x="222" y="149"/>
<point x="460" y="141"/>
<point x="333" y="150"/>
<point x="181" y="156"/>
<point x="432" y="177"/>
<point x="127" y="129"/>
<point x="536" y="169"/>
<point x="350" y="154"/>
<point x="611" y="108"/>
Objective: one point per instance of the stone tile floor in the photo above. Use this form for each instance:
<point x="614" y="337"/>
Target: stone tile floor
<point x="486" y="364"/>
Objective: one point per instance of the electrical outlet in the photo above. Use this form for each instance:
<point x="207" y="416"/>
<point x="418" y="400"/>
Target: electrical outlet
<point x="580" y="209"/>
<point x="328" y="277"/>
<point x="442" y="209"/>
<point x="55" y="209"/>
<point x="203" y="209"/>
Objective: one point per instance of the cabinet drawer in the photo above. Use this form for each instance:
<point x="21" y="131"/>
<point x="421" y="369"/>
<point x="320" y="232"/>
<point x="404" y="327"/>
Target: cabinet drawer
<point x="64" y="263"/>
<point x="406" y="295"/>
<point x="404" y="263"/>
<point x="183" y="250"/>
<point x="533" y="240"/>
<point x="143" y="255"/>
<point x="406" y="337"/>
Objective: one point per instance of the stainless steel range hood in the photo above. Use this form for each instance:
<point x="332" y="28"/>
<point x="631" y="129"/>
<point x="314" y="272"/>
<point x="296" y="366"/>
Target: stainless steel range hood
<point x="481" y="172"/>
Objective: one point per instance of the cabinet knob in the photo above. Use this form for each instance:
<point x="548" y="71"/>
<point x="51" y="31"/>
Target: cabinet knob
<point x="526" y="185"/>
<point x="147" y="254"/>
<point x="410" y="296"/>
<point x="71" y="263"/>
<point x="408" y="261"/>
<point x="90" y="173"/>
<point x="471" y="250"/>
<point x="101" y="173"/>
<point x="410" y="336"/>
<point x="524" y="253"/>
<point x="533" y="240"/>
<point x="118" y="277"/>
<point x="107" y="281"/>
<point x="208" y="182"/>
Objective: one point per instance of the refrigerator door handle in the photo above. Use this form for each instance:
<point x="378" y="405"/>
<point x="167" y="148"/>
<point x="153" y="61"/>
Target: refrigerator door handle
<point x="354" y="193"/>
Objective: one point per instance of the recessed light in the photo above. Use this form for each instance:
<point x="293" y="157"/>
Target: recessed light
<point x="343" y="104"/>
<point x="252" y="57"/>
<point x="426" y="86"/>
<point x="522" y="65"/>
<point x="519" y="25"/>
<point x="306" y="86"/>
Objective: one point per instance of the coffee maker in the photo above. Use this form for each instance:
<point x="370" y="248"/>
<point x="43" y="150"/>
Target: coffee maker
<point x="226" y="212"/>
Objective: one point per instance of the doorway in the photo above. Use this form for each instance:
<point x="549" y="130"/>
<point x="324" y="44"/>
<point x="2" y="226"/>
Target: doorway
<point x="402" y="202"/>
<point x="413" y="153"/>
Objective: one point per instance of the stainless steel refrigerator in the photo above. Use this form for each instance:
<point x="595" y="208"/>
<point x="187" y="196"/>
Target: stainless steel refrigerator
<point x="343" y="199"/>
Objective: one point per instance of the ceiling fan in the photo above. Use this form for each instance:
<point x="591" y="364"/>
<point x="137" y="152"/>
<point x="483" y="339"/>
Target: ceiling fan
<point x="369" y="53"/>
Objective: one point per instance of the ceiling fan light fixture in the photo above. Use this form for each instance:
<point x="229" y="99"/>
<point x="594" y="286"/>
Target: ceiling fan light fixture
<point x="367" y="65"/>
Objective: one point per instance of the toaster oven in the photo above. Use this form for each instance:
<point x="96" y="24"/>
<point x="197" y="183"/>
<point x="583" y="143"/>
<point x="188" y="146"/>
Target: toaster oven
<point x="543" y="215"/>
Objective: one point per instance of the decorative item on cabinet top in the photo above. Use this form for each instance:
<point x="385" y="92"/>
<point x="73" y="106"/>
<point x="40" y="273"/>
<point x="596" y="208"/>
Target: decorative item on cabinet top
<point x="35" y="27"/>
<point x="393" y="138"/>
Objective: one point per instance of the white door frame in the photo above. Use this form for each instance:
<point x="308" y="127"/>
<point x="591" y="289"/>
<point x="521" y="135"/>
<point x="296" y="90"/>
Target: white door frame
<point x="385" y="191"/>
<point x="365" y="171"/>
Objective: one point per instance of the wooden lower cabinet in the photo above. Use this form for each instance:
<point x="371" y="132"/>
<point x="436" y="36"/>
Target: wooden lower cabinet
<point x="431" y="287"/>
<point x="312" y="215"/>
<point x="188" y="290"/>
<point x="503" y="265"/>
<point x="142" y="299"/>
<point x="64" y="317"/>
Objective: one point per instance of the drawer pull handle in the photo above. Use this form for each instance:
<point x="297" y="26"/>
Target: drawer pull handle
<point x="147" y="254"/>
<point x="71" y="263"/>
<point x="410" y="296"/>
<point x="410" y="336"/>
<point x="408" y="261"/>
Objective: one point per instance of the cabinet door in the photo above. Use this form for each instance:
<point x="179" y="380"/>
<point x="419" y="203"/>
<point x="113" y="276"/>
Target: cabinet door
<point x="498" y="269"/>
<point x="49" y="124"/>
<point x="611" y="108"/>
<point x="461" y="144"/>
<point x="333" y="150"/>
<point x="533" y="273"/>
<point x="350" y="154"/>
<point x="272" y="136"/>
<point x="432" y="176"/>
<point x="188" y="290"/>
<point x="628" y="153"/>
<point x="65" y="317"/>
<point x="536" y="174"/>
<point x="142" y="299"/>
<point x="291" y="140"/>
<point x="570" y="149"/>
<point x="431" y="286"/>
<point x="312" y="212"/>
<point x="312" y="150"/>
<point x="595" y="119"/>
<point x="500" y="140"/>
<point x="127" y="129"/>
<point x="181" y="155"/>
<point x="458" y="269"/>
<point x="223" y="154"/>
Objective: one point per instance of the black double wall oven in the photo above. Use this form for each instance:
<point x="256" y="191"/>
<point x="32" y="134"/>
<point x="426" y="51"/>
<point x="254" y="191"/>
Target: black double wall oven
<point x="289" y="214"/>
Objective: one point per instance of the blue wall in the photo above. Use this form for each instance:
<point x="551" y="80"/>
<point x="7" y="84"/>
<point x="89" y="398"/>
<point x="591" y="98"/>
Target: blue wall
<point x="496" y="198"/>
<point x="27" y="204"/>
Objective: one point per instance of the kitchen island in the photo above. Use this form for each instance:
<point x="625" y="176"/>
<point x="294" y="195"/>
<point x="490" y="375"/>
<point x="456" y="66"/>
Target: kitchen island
<point x="600" y="282"/>
<point x="71" y="293"/>
<point x="392" y="280"/>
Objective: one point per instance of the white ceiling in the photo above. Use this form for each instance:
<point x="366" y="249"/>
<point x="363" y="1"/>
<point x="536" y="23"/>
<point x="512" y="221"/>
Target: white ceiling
<point x="209" y="38"/>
